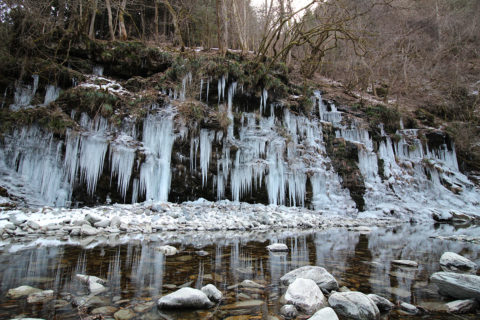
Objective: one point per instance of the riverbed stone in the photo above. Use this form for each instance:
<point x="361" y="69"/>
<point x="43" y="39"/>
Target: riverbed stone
<point x="167" y="250"/>
<point x="382" y="303"/>
<point x="318" y="274"/>
<point x="212" y="292"/>
<point x="289" y="311"/>
<point x="124" y="314"/>
<point x="21" y="291"/>
<point x="143" y="307"/>
<point x="305" y="295"/>
<point x="410" y="308"/>
<point x="104" y="310"/>
<point x="41" y="296"/>
<point x="324" y="314"/>
<point x="462" y="306"/>
<point x="457" y="285"/>
<point x="96" y="288"/>
<point x="354" y="305"/>
<point x="251" y="284"/>
<point x="248" y="304"/>
<point x="405" y="263"/>
<point x="450" y="261"/>
<point x="277" y="247"/>
<point x="185" y="298"/>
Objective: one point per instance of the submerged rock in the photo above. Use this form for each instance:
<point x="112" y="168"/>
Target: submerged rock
<point x="382" y="303"/>
<point x="289" y="311"/>
<point x="354" y="305"/>
<point x="185" y="298"/>
<point x="457" y="285"/>
<point x="41" y="296"/>
<point x="462" y="306"/>
<point x="277" y="247"/>
<point x="124" y="314"/>
<point x="410" y="308"/>
<point x="104" y="310"/>
<point x="324" y="314"/>
<point x="450" y="261"/>
<point x="212" y="292"/>
<point x="318" y="274"/>
<point x="305" y="295"/>
<point x="21" y="291"/>
<point x="248" y="304"/>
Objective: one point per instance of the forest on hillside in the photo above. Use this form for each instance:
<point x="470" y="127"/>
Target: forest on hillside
<point x="420" y="56"/>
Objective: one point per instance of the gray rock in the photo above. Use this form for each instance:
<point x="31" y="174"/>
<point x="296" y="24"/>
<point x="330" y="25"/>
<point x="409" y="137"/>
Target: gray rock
<point x="21" y="291"/>
<point x="41" y="296"/>
<point x="251" y="284"/>
<point x="104" y="310"/>
<point x="405" y="263"/>
<point x="450" y="261"/>
<point x="143" y="307"/>
<point x="305" y="295"/>
<point x="457" y="285"/>
<point x="324" y="314"/>
<point x="115" y="222"/>
<point x="212" y="292"/>
<point x="102" y="224"/>
<point x="354" y="305"/>
<point x="185" y="298"/>
<point x="382" y="303"/>
<point x="96" y="288"/>
<point x="318" y="274"/>
<point x="89" y="230"/>
<point x="76" y="231"/>
<point x="167" y="250"/>
<point x="462" y="306"/>
<point x="277" y="247"/>
<point x="32" y="224"/>
<point x="9" y="226"/>
<point x="92" y="219"/>
<point x="124" y="314"/>
<point x="289" y="311"/>
<point x="410" y="308"/>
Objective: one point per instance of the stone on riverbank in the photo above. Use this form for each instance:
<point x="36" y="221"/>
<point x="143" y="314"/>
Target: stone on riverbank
<point x="318" y="274"/>
<point x="462" y="306"/>
<point x="21" y="291"/>
<point x="185" y="298"/>
<point x="382" y="304"/>
<point x="305" y="295"/>
<point x="457" y="285"/>
<point x="212" y="292"/>
<point x="450" y="261"/>
<point x="354" y="305"/>
<point x="324" y="314"/>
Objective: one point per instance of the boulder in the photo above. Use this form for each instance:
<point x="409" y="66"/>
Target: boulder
<point x="41" y="296"/>
<point x="457" y="285"/>
<point x="410" y="308"/>
<point x="382" y="304"/>
<point x="102" y="224"/>
<point x="277" y="247"/>
<point x="21" y="291"/>
<point x="305" y="295"/>
<point x="354" y="305"/>
<point x="324" y="314"/>
<point x="318" y="274"/>
<point x="88" y="230"/>
<point x="96" y="288"/>
<point x="289" y="311"/>
<point x="167" y="250"/>
<point x="115" y="222"/>
<point x="405" y="263"/>
<point x="450" y="261"/>
<point x="212" y="292"/>
<point x="92" y="219"/>
<point x="462" y="306"/>
<point x="185" y="298"/>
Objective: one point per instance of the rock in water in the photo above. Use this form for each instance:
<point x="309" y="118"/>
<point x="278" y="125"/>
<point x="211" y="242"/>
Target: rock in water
<point x="457" y="285"/>
<point x="382" y="303"/>
<point x="185" y="298"/>
<point x="324" y="314"/>
<point x="212" y="292"/>
<point x="405" y="263"/>
<point x="410" y="308"/>
<point x="277" y="247"/>
<point x="289" y="311"/>
<point x="354" y="305"/>
<point x="124" y="314"/>
<point x="462" y="306"/>
<point x="41" y="296"/>
<point x="305" y="295"/>
<point x="167" y="250"/>
<point x="21" y="292"/>
<point x="318" y="274"/>
<point x="450" y="261"/>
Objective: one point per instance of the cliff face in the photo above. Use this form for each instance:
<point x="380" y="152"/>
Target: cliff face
<point x="182" y="128"/>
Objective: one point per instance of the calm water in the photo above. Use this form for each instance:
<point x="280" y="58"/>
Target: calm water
<point x="138" y="274"/>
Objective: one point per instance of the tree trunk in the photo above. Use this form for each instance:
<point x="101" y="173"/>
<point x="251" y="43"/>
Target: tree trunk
<point x="110" y="20"/>
<point x="91" y="32"/>
<point x="121" y="21"/>
<point x="240" y="28"/>
<point x="222" y="46"/>
<point x="178" y="35"/>
<point x="155" y="22"/>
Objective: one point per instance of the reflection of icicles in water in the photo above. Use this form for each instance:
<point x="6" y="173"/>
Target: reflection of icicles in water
<point x="298" y="252"/>
<point x="201" y="273"/>
<point x="115" y="273"/>
<point x="148" y="269"/>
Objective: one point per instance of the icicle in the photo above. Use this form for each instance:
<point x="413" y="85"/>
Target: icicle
<point x="206" y="139"/>
<point x="52" y="94"/>
<point x="4" y="97"/>
<point x="122" y="158"/>
<point x="98" y="71"/>
<point x="135" y="191"/>
<point x="193" y="153"/>
<point x="208" y="89"/>
<point x="92" y="155"/>
<point x="24" y="94"/>
<point x="201" y="88"/>
<point x="223" y="87"/>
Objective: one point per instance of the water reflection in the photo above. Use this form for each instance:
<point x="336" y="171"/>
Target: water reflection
<point x="137" y="271"/>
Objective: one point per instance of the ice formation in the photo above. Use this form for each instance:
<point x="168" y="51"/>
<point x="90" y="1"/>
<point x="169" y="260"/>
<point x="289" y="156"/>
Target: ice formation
<point x="270" y="156"/>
